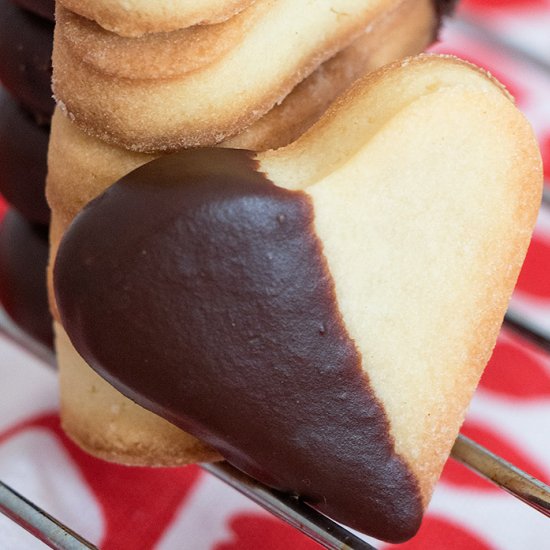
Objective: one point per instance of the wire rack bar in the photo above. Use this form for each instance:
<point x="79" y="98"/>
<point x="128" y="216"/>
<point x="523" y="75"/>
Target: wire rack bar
<point x="290" y="509"/>
<point x="39" y="523"/>
<point x="502" y="473"/>
<point x="518" y="323"/>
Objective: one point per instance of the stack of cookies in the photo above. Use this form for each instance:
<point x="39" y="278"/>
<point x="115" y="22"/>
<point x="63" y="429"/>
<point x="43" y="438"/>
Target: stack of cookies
<point x="26" y="107"/>
<point x="133" y="85"/>
<point x="243" y="265"/>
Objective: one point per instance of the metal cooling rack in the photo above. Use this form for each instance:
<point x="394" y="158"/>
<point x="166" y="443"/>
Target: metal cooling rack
<point x="329" y="534"/>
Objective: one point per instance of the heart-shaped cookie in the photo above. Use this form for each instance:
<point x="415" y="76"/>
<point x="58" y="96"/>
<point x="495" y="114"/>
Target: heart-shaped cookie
<point x="319" y="314"/>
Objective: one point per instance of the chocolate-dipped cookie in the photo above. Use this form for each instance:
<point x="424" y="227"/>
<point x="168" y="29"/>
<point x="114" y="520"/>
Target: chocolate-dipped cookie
<point x="25" y="64"/>
<point x="319" y="314"/>
<point x="23" y="259"/>
<point x="23" y="155"/>
<point x="42" y="8"/>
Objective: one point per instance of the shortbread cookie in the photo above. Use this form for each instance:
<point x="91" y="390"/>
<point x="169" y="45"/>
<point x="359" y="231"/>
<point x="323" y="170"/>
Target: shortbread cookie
<point x="320" y="314"/>
<point x="138" y="17"/>
<point x="23" y="152"/>
<point x="25" y="63"/>
<point x="23" y="259"/>
<point x="148" y="102"/>
<point x="406" y="30"/>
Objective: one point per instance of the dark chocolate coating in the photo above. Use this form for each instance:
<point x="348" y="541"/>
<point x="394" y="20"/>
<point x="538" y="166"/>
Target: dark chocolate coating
<point x="199" y="289"/>
<point x="23" y="155"/>
<point x="23" y="260"/>
<point x="42" y="8"/>
<point x="25" y="62"/>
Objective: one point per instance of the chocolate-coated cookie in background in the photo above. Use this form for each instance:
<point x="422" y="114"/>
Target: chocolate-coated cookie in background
<point x="23" y="154"/>
<point x="42" y="8"/>
<point x="23" y="258"/>
<point x="25" y="60"/>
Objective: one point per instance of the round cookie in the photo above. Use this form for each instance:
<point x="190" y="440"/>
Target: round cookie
<point x="25" y="64"/>
<point x="23" y="259"/>
<point x="42" y="8"/>
<point x="23" y="154"/>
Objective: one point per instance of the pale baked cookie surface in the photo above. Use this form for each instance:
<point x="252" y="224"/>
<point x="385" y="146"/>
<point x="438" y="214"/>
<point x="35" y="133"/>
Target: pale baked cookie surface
<point x="105" y="89"/>
<point x="449" y="172"/>
<point x="406" y="29"/>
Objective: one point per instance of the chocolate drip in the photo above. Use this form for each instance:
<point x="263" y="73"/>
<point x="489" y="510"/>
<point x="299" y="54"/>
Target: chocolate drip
<point x="26" y="43"/>
<point x="23" y="153"/>
<point x="199" y="289"/>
